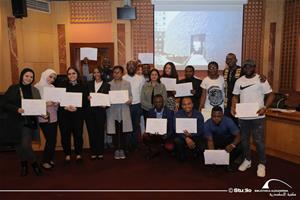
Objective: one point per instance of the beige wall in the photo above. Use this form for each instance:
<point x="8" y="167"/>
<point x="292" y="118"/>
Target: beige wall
<point x="37" y="39"/>
<point x="274" y="14"/>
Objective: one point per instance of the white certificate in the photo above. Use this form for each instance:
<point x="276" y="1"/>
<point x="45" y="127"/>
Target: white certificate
<point x="156" y="126"/>
<point x="90" y="53"/>
<point x="189" y="124"/>
<point x="206" y="114"/>
<point x="72" y="99"/>
<point x="99" y="99"/>
<point x="216" y="157"/>
<point x="247" y="110"/>
<point x="118" y="96"/>
<point x="170" y="83"/>
<point x="184" y="89"/>
<point x="53" y="94"/>
<point x="146" y="58"/>
<point x="34" y="107"/>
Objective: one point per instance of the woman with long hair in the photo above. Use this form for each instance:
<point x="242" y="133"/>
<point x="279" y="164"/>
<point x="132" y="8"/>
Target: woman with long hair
<point x="71" y="118"/>
<point x="169" y="71"/>
<point x="27" y="126"/>
<point x="96" y="116"/>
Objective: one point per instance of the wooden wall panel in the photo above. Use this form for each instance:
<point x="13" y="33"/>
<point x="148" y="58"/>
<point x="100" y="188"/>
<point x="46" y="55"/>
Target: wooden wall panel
<point x="253" y="33"/>
<point x="62" y="56"/>
<point x="289" y="55"/>
<point x="271" y="59"/>
<point x="142" y="29"/>
<point x="13" y="49"/>
<point x="121" y="44"/>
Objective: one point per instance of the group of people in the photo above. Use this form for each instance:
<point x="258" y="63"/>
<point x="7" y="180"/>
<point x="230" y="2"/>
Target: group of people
<point x="148" y="98"/>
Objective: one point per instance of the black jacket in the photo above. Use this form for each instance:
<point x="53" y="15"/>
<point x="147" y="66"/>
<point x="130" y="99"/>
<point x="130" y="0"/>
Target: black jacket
<point x="15" y="121"/>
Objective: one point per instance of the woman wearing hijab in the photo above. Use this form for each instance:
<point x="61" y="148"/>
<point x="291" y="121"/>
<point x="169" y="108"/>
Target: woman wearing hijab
<point x="49" y="125"/>
<point x="27" y="126"/>
<point x="71" y="118"/>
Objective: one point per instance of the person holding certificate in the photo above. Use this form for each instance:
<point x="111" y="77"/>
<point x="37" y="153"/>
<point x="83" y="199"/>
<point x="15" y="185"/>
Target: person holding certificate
<point x="150" y="89"/>
<point x="185" y="140"/>
<point x="169" y="71"/>
<point x="154" y="141"/>
<point x="222" y="133"/>
<point x="96" y="116"/>
<point x="250" y="89"/>
<point x="49" y="125"/>
<point x="27" y="126"/>
<point x="118" y="115"/>
<point x="70" y="118"/>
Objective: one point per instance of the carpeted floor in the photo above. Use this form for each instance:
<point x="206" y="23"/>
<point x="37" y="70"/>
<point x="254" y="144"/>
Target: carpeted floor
<point x="137" y="173"/>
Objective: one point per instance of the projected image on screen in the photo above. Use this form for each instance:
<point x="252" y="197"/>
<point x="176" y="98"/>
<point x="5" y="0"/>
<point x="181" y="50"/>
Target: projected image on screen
<point x="196" y="37"/>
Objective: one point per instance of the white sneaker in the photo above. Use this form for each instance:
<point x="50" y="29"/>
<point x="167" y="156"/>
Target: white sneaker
<point x="117" y="154"/>
<point x="122" y="154"/>
<point x="261" y="170"/>
<point x="245" y="165"/>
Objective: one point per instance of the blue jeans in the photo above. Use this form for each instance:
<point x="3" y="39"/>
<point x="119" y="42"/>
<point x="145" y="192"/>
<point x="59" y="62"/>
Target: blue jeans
<point x="135" y="111"/>
<point x="257" y="128"/>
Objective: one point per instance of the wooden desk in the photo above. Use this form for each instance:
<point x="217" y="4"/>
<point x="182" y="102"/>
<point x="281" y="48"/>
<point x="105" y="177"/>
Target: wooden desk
<point x="283" y="135"/>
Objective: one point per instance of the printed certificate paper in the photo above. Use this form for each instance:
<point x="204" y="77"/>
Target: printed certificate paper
<point x="156" y="126"/>
<point x="34" y="107"/>
<point x="53" y="94"/>
<point x="170" y="83"/>
<point x="186" y="124"/>
<point x="244" y="110"/>
<point x="216" y="157"/>
<point x="118" y="96"/>
<point x="72" y="99"/>
<point x="184" y="89"/>
<point x="99" y="99"/>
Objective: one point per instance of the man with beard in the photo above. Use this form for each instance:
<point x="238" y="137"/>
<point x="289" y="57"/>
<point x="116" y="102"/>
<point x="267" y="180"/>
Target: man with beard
<point x="189" y="73"/>
<point x="136" y="84"/>
<point x="249" y="89"/>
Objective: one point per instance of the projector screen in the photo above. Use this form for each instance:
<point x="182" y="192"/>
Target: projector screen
<point x="197" y="37"/>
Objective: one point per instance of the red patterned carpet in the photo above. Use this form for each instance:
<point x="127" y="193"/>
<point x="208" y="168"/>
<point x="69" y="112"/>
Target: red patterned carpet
<point x="137" y="173"/>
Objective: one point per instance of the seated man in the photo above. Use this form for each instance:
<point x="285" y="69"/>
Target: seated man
<point x="152" y="141"/>
<point x="222" y="133"/>
<point x="188" y="141"/>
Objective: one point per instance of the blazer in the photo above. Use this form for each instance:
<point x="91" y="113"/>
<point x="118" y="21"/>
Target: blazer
<point x="105" y="87"/>
<point x="167" y="114"/>
<point x="11" y="104"/>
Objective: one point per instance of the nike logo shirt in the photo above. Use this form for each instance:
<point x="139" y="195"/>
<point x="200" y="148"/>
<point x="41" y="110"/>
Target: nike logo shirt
<point x="252" y="90"/>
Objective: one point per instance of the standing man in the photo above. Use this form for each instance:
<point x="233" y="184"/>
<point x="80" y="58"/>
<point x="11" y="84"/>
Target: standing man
<point x="232" y="73"/>
<point x="189" y="73"/>
<point x="107" y="71"/>
<point x="249" y="89"/>
<point x="136" y="84"/>
<point x="212" y="88"/>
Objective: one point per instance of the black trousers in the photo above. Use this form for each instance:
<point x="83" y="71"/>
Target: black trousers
<point x="95" y="122"/>
<point x="24" y="149"/>
<point x="120" y="139"/>
<point x="182" y="149"/>
<point x="50" y="133"/>
<point x="220" y="142"/>
<point x="71" y="124"/>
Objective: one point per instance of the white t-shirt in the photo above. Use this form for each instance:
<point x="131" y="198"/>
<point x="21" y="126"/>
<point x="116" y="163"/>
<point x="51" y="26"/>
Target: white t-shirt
<point x="136" y="83"/>
<point x="252" y="90"/>
<point x="97" y="85"/>
<point x="215" y="92"/>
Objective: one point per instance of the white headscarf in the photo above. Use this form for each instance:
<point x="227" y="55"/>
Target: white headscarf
<point x="43" y="81"/>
